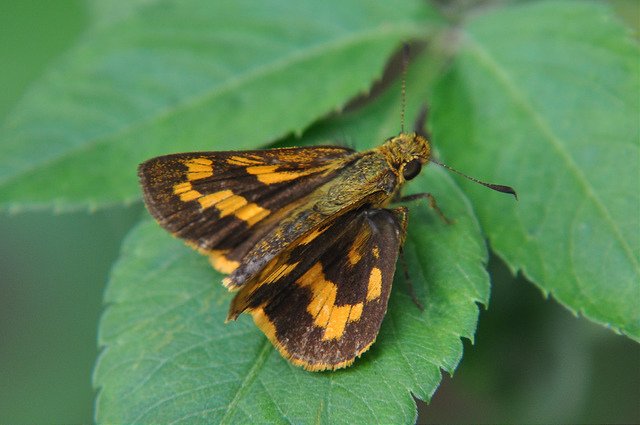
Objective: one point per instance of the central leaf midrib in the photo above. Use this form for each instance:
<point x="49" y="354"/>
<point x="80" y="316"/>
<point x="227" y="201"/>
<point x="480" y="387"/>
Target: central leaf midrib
<point x="251" y="75"/>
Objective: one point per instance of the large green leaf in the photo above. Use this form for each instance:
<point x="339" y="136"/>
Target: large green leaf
<point x="544" y="96"/>
<point x="167" y="76"/>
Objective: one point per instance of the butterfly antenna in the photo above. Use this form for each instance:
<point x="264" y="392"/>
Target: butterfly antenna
<point x="496" y="187"/>
<point x="403" y="94"/>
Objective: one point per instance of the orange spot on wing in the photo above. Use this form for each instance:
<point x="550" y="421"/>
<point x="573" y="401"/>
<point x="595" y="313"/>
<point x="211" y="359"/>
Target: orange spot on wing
<point x="337" y="322"/>
<point x="212" y="199"/>
<point x="199" y="175"/>
<point x="262" y="169"/>
<point x="185" y="191"/>
<point x="242" y="160"/>
<point x="326" y="314"/>
<point x="354" y="254"/>
<point x="199" y="168"/>
<point x="269" y="174"/>
<point x="201" y="161"/>
<point x="356" y="312"/>
<point x="264" y="323"/>
<point x="252" y="213"/>
<point x="181" y="188"/>
<point x="326" y="301"/>
<point x="283" y="176"/>
<point x="220" y="262"/>
<point x="374" y="288"/>
<point x="230" y="204"/>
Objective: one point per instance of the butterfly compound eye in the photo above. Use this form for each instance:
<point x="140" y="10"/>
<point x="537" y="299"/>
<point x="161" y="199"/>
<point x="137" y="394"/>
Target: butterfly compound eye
<point x="411" y="169"/>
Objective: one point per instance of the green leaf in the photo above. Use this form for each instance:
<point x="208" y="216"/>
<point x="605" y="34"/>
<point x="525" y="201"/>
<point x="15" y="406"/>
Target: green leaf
<point x="544" y="97"/>
<point x="168" y="76"/>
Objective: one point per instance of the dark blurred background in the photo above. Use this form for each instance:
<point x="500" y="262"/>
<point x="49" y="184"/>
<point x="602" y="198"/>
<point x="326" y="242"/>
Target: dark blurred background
<point x="532" y="362"/>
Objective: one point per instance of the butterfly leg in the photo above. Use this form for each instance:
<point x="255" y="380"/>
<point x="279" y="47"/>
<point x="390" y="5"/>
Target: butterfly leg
<point x="407" y="277"/>
<point x="432" y="203"/>
<point x="401" y="216"/>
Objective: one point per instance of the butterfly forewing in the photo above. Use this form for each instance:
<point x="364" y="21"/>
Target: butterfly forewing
<point x="217" y="200"/>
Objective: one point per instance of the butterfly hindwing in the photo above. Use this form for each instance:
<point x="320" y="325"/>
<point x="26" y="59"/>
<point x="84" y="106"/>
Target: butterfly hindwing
<point x="321" y="303"/>
<point x="216" y="200"/>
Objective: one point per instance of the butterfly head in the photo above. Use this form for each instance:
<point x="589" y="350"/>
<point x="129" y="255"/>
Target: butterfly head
<point x="407" y="153"/>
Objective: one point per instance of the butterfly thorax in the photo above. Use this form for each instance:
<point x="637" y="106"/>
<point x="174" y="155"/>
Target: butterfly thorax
<point x="375" y="176"/>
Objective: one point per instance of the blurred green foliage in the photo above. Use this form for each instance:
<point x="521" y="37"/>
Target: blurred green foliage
<point x="532" y="362"/>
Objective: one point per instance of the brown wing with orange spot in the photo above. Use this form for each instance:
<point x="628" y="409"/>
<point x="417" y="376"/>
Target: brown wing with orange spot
<point x="216" y="200"/>
<point x="322" y="301"/>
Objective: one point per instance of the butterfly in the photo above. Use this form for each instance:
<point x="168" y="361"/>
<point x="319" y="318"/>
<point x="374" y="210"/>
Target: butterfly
<point x="307" y="235"/>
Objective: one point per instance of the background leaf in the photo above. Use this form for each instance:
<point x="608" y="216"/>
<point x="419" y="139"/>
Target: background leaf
<point x="170" y="76"/>
<point x="544" y="97"/>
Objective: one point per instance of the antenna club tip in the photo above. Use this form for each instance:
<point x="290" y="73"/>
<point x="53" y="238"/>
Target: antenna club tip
<point x="504" y="189"/>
